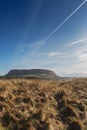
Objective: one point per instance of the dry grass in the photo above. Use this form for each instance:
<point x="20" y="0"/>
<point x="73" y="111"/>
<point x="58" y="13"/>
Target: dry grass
<point x="43" y="105"/>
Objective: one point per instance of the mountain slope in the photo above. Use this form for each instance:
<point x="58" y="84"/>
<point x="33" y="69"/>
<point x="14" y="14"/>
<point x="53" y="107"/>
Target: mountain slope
<point x="33" y="73"/>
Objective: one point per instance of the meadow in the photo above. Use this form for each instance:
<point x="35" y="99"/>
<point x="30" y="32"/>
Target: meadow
<point x="43" y="104"/>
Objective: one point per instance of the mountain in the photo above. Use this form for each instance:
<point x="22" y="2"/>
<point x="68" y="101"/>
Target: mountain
<point x="1" y="77"/>
<point x="32" y="73"/>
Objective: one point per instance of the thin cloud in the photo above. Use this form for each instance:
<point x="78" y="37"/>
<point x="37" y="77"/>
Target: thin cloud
<point x="21" y="48"/>
<point x="77" y="42"/>
<point x="62" y="23"/>
<point x="52" y="54"/>
<point x="35" y="45"/>
<point x="81" y="53"/>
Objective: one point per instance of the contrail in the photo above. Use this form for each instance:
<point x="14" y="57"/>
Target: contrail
<point x="62" y="23"/>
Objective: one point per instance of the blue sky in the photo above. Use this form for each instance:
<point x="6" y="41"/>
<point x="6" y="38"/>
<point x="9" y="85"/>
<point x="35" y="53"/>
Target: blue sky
<point x="48" y="34"/>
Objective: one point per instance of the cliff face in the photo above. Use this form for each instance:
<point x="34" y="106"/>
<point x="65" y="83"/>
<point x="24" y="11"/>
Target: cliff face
<point x="33" y="73"/>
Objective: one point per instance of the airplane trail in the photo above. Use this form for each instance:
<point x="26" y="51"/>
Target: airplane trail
<point x="62" y="23"/>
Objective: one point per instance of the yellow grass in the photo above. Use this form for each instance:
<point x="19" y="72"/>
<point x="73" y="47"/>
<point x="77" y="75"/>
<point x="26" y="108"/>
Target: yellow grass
<point x="41" y="104"/>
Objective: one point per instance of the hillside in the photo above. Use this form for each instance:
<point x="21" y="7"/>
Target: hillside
<point x="43" y="105"/>
<point x="33" y="73"/>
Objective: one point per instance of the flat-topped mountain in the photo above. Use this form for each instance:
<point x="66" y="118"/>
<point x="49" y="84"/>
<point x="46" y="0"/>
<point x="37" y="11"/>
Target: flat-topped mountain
<point x="33" y="73"/>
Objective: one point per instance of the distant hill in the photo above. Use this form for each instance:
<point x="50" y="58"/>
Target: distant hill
<point x="1" y="77"/>
<point x="32" y="73"/>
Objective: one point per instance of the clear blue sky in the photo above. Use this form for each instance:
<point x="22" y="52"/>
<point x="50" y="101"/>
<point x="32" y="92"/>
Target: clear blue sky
<point x="28" y="38"/>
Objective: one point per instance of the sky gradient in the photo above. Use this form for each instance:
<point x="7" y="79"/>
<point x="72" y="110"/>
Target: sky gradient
<point x="47" y="34"/>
